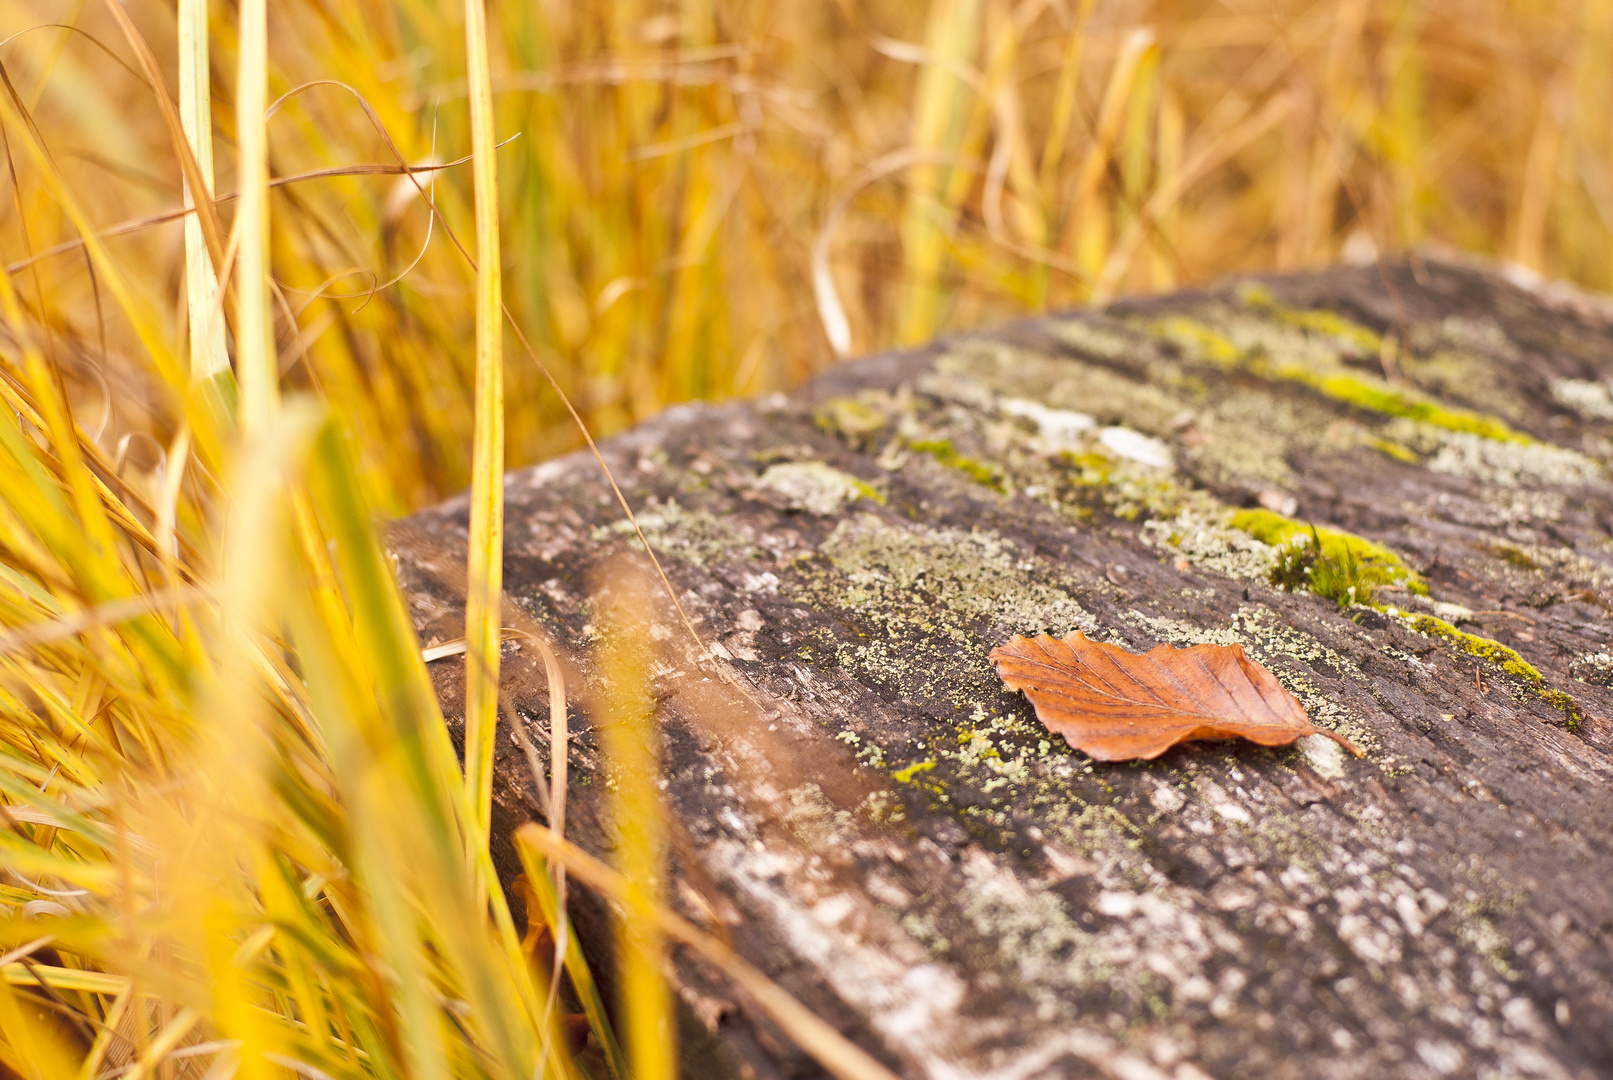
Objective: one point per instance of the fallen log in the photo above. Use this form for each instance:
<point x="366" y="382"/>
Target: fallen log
<point x="1390" y="485"/>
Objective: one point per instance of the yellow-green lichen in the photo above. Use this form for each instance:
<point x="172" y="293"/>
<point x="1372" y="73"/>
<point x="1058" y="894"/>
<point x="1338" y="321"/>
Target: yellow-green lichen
<point x="1566" y="705"/>
<point x="1317" y="321"/>
<point x="1379" y="397"/>
<point x="1393" y="449"/>
<point x="1324" y="374"/>
<point x="1516" y="556"/>
<point x="855" y="419"/>
<point x="905" y="776"/>
<point x="978" y="471"/>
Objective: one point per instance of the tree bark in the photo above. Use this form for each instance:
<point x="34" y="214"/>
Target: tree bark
<point x="861" y="807"/>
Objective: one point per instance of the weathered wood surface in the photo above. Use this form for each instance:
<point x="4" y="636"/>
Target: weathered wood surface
<point x="874" y="821"/>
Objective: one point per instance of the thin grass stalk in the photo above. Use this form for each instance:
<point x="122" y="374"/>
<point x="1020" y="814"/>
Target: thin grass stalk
<point x="207" y="353"/>
<point x="1063" y="113"/>
<point x="1403" y="116"/>
<point x="1168" y="168"/>
<point x="1089" y="231"/>
<point x="940" y="113"/>
<point x="540" y="874"/>
<point x="837" y="1054"/>
<point x="256" y="362"/>
<point x="485" y="564"/>
<point x="136" y="305"/>
<point x="91" y="544"/>
<point x="1340" y="98"/>
<point x="632" y="739"/>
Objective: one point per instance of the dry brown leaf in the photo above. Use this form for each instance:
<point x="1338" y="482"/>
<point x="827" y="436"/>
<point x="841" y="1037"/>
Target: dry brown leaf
<point x="1115" y="705"/>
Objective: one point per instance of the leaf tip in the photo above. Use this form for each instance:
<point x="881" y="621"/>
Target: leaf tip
<point x="1341" y="740"/>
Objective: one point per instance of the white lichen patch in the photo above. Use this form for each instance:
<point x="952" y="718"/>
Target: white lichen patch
<point x="1032" y="930"/>
<point x="814" y="487"/>
<point x="1287" y="344"/>
<point x="1060" y="430"/>
<point x="1507" y="464"/>
<point x="1059" y="383"/>
<point x="1205" y="540"/>
<point x="692" y="535"/>
<point x="1085" y="336"/>
<point x="1592" y="400"/>
<point x="1323" y="755"/>
<point x="1522" y="505"/>
<point x="1272" y="641"/>
<point x="1596" y="668"/>
<point x="1455" y="614"/>
<point x="1180" y="633"/>
<point x="1135" y="446"/>
<point x="944" y="579"/>
<point x="1483" y="333"/>
<point x="1246" y="439"/>
<point x="1512" y="464"/>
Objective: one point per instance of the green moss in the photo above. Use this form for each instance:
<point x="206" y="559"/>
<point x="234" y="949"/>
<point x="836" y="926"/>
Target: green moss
<point x="1509" y="554"/>
<point x="1201" y="340"/>
<point x="1316" y="321"/>
<point x="1093" y="468"/>
<point x="1378" y="398"/>
<point x="1330" y="562"/>
<point x="1394" y="450"/>
<point x="1481" y="648"/>
<point x="1373" y="395"/>
<point x="1506" y="659"/>
<point x="978" y="471"/>
<point x="855" y="419"/>
<point x="1566" y="705"/>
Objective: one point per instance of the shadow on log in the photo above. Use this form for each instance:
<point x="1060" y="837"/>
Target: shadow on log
<point x="873" y="820"/>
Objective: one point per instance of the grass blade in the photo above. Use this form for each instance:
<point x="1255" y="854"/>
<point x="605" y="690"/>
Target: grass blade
<point x="485" y="566"/>
<point x="632" y="738"/>
<point x="255" y="357"/>
<point x="831" y="1049"/>
<point x="207" y="355"/>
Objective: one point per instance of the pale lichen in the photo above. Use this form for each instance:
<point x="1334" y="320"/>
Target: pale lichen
<point x="1206" y="539"/>
<point x="693" y="535"/>
<point x="1592" y="400"/>
<point x="815" y="487"/>
<point x="910" y="577"/>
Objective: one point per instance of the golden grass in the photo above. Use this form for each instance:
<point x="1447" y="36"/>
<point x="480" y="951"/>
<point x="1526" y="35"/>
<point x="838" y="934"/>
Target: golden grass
<point x="235" y="837"/>
<point x="485" y="566"/>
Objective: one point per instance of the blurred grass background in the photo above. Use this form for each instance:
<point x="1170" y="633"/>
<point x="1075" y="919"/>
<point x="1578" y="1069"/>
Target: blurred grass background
<point x="234" y="834"/>
<point x="673" y="169"/>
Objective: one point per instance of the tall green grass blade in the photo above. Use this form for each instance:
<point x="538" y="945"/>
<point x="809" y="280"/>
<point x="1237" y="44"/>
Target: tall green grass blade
<point x="485" y="564"/>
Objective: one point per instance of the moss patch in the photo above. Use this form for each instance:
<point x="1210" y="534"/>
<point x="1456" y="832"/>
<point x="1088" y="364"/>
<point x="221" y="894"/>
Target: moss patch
<point x="1330" y="562"/>
<point x="1393" y="449"/>
<point x="1481" y="648"/>
<point x="1378" y="397"/>
<point x="1566" y="705"/>
<point x="1323" y="373"/>
<point x="1326" y="323"/>
<point x="978" y="471"/>
<point x="1505" y="658"/>
<point x="856" y="419"/>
